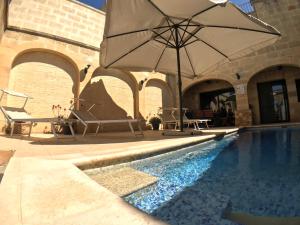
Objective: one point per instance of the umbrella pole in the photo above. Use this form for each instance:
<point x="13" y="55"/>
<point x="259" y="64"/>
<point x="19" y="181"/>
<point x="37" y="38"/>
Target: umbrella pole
<point x="179" y="78"/>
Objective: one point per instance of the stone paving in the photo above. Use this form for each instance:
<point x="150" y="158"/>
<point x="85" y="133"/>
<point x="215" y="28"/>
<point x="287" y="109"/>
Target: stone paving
<point x="102" y="150"/>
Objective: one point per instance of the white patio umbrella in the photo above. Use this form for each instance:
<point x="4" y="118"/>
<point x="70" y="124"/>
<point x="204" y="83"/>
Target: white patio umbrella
<point x="181" y="37"/>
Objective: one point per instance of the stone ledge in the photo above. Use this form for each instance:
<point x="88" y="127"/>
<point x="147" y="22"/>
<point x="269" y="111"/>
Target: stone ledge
<point x="36" y="191"/>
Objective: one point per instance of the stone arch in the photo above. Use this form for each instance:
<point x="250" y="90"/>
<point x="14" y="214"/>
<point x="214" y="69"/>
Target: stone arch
<point x="61" y="54"/>
<point x="214" y="99"/>
<point x="198" y="81"/>
<point x="270" y="66"/>
<point x="287" y="72"/>
<point x="115" y="93"/>
<point x="156" y="93"/>
<point x="48" y="76"/>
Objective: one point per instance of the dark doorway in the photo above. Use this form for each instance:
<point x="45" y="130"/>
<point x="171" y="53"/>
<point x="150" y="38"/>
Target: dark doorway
<point x="218" y="100"/>
<point x="273" y="102"/>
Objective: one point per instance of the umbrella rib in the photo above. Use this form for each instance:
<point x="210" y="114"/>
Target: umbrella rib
<point x="171" y="30"/>
<point x="236" y="28"/>
<point x="181" y="38"/>
<point x="190" y="61"/>
<point x="132" y="50"/>
<point x="209" y="45"/>
<point x="167" y="41"/>
<point x="198" y="13"/>
<point x="189" y="43"/>
<point x="164" y="43"/>
<point x="203" y="11"/>
<point x="241" y="28"/>
<point x="185" y="29"/>
<point x="137" y="31"/>
<point x="158" y="9"/>
<point x="193" y="34"/>
<point x="160" y="57"/>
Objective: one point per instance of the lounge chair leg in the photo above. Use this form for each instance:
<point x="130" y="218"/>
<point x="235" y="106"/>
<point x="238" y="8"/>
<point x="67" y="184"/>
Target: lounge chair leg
<point x="30" y="129"/>
<point x="12" y="128"/>
<point x="131" y="128"/>
<point x="176" y="125"/>
<point x="140" y="128"/>
<point x="196" y="126"/>
<point x="85" y="130"/>
<point x="97" y="130"/>
<point x="53" y="130"/>
<point x="71" y="129"/>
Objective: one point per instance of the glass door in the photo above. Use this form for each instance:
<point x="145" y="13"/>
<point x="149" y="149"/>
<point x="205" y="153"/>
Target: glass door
<point x="273" y="102"/>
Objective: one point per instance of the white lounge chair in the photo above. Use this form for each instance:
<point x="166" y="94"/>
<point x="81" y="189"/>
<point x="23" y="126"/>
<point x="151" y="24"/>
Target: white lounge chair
<point x="19" y="114"/>
<point x="172" y="115"/>
<point x="87" y="117"/>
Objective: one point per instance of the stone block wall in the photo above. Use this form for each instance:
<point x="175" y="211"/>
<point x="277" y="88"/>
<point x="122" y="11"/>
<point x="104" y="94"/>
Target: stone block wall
<point x="243" y="118"/>
<point x="289" y="74"/>
<point x="2" y="17"/>
<point x="64" y="18"/>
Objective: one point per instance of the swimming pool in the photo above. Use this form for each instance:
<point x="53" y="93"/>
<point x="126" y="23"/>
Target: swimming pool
<point x="256" y="171"/>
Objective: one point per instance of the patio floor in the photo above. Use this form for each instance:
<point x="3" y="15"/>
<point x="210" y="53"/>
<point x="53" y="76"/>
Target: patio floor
<point x="102" y="150"/>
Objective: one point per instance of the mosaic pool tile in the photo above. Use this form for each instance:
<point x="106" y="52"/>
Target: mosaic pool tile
<point x="257" y="171"/>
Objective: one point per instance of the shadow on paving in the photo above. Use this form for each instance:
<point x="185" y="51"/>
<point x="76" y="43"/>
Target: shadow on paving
<point x="102" y="138"/>
<point x="4" y="159"/>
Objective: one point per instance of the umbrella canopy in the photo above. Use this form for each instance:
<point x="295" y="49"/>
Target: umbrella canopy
<point x="182" y="37"/>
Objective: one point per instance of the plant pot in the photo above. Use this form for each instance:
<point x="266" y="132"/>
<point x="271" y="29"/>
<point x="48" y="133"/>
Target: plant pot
<point x="19" y="128"/>
<point x="155" y="126"/>
<point x="66" y="130"/>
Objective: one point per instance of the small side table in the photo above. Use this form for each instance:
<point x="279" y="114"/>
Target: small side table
<point x="63" y="122"/>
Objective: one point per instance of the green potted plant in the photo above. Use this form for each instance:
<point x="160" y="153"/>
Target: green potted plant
<point x="155" y="122"/>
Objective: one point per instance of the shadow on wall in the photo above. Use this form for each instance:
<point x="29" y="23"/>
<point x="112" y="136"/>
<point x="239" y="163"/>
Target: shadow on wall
<point x="157" y="94"/>
<point x="113" y="97"/>
<point x="105" y="108"/>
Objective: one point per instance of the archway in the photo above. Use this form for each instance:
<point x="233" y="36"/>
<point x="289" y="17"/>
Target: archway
<point x="157" y="94"/>
<point x="272" y="94"/>
<point x="211" y="99"/>
<point x="47" y="77"/>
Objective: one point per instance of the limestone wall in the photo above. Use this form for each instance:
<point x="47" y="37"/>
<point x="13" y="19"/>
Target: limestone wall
<point x="289" y="74"/>
<point x="285" y="16"/>
<point x="2" y="17"/>
<point x="45" y="50"/>
<point x="52" y="72"/>
<point x="64" y="18"/>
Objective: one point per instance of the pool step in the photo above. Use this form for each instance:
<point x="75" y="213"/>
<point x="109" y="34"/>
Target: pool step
<point x="124" y="181"/>
<point x="195" y="207"/>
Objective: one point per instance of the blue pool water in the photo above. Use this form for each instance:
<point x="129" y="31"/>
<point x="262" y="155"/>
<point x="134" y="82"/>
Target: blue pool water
<point x="256" y="171"/>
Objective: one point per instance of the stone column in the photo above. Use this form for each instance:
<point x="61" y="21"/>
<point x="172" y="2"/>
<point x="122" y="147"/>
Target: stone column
<point x="243" y="114"/>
